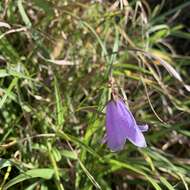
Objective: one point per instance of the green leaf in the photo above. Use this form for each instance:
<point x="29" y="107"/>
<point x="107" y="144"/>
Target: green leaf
<point x="23" y="14"/>
<point x="10" y="88"/>
<point x="44" y="173"/>
<point x="4" y="163"/>
<point x="136" y="170"/>
<point x="69" y="154"/>
<point x="45" y="5"/>
<point x="59" y="104"/>
<point x="166" y="183"/>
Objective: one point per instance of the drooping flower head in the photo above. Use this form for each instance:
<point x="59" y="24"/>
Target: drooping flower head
<point x="121" y="125"/>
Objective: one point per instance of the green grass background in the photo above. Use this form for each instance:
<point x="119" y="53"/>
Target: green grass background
<point x="56" y="58"/>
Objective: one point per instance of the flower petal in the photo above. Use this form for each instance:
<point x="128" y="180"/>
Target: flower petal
<point x="115" y="128"/>
<point x="143" y="128"/>
<point x="137" y="138"/>
<point x="121" y="125"/>
<point x="133" y="133"/>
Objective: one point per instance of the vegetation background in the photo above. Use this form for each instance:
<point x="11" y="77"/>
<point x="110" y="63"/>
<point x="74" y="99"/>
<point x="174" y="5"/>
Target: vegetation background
<point x="56" y="57"/>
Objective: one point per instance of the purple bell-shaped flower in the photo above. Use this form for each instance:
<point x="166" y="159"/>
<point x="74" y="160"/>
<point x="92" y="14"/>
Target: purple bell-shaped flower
<point x="121" y="125"/>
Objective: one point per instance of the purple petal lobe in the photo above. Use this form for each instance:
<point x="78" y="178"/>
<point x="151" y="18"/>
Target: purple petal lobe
<point x="121" y="125"/>
<point x="143" y="128"/>
<point x="114" y="126"/>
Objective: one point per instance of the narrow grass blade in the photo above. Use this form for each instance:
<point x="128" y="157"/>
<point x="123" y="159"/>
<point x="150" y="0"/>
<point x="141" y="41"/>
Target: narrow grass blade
<point x="44" y="173"/>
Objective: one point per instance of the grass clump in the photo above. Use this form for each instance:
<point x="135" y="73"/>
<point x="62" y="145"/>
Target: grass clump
<point x="56" y="59"/>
